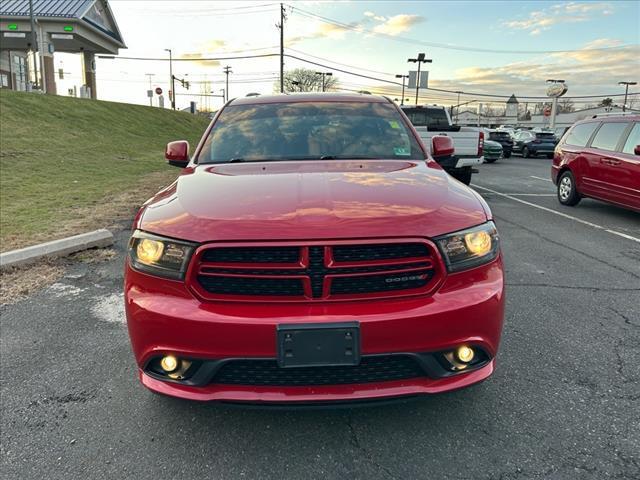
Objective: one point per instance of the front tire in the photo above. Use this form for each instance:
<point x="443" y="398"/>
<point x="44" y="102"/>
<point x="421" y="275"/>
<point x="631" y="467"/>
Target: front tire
<point x="507" y="155"/>
<point x="464" y="175"/>
<point x="567" y="192"/>
<point x="526" y="153"/>
<point x="492" y="160"/>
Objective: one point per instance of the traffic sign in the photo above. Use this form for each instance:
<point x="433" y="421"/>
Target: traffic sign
<point x="158" y="91"/>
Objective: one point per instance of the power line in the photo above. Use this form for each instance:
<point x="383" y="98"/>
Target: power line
<point x="201" y="59"/>
<point x="445" y="46"/>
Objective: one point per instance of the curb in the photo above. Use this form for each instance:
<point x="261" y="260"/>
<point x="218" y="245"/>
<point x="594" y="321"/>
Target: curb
<point x="56" y="248"/>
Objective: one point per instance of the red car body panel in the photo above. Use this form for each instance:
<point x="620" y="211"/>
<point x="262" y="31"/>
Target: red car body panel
<point x="611" y="176"/>
<point x="319" y="202"/>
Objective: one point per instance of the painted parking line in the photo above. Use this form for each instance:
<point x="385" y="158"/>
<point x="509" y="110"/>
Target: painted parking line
<point x="540" y="178"/>
<point x="570" y="217"/>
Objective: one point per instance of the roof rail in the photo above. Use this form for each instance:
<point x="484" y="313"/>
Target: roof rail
<point x="614" y="114"/>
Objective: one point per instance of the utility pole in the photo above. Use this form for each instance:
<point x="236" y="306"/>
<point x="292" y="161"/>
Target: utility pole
<point x="324" y="74"/>
<point x="227" y="71"/>
<point x="402" y="77"/>
<point x="171" y="83"/>
<point x="626" y="92"/>
<point x="420" y="59"/>
<point x="150" y="88"/>
<point x="458" y="106"/>
<point x="34" y="44"/>
<point x="280" y="26"/>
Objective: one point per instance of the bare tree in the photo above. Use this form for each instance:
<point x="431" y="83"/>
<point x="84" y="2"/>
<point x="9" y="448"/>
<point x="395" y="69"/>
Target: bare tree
<point x="305" y="80"/>
<point x="606" y="102"/>
<point x="566" y="105"/>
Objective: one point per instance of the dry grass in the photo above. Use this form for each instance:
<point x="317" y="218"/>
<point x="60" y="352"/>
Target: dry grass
<point x="94" y="255"/>
<point x="18" y="283"/>
<point x="106" y="214"/>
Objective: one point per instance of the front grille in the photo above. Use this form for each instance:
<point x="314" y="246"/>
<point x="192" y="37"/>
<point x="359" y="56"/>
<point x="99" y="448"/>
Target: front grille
<point x="252" y="255"/>
<point x="315" y="272"/>
<point x="257" y="286"/>
<point x="360" y="253"/>
<point x="267" y="372"/>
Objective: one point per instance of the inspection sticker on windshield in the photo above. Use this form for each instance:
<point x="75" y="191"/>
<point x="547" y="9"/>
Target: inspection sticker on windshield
<point x="394" y="124"/>
<point x="401" y="151"/>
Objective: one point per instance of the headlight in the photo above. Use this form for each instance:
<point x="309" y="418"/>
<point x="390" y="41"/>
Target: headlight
<point x="469" y="248"/>
<point x="160" y="256"/>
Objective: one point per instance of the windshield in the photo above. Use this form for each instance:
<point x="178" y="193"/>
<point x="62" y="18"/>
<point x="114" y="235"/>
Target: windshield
<point x="545" y="136"/>
<point x="427" y="117"/>
<point x="499" y="136"/>
<point x="309" y="131"/>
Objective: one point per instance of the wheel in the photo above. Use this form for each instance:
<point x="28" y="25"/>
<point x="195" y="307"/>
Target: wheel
<point x="464" y="176"/>
<point x="490" y="160"/>
<point x="507" y="155"/>
<point x="549" y="155"/>
<point x="567" y="193"/>
<point x="525" y="152"/>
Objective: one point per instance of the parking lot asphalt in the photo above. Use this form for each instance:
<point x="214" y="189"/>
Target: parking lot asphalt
<point x="563" y="402"/>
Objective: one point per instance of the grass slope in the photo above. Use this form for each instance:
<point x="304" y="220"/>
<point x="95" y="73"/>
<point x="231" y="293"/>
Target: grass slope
<point x="68" y="165"/>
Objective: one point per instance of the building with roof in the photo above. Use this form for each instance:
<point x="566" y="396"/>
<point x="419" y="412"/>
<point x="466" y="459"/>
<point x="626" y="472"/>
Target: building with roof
<point x="85" y="27"/>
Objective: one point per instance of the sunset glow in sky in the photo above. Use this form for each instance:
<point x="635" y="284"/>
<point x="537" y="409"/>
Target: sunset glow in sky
<point x="469" y="42"/>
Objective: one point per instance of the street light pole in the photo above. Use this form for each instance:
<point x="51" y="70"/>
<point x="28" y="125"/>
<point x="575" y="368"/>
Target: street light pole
<point x="227" y="71"/>
<point x="626" y="92"/>
<point x="150" y="88"/>
<point x="420" y="59"/>
<point x="34" y="44"/>
<point x="171" y="83"/>
<point x="402" y="77"/>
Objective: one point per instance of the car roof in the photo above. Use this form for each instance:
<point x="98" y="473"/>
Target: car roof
<point x="612" y="118"/>
<point x="309" y="97"/>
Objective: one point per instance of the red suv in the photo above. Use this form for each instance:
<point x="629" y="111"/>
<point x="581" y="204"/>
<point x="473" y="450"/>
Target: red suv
<point x="600" y="158"/>
<point x="312" y="251"/>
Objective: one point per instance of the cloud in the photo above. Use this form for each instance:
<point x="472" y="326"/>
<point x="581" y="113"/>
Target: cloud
<point x="397" y="24"/>
<point x="197" y="59"/>
<point x="572" y="12"/>
<point x="393" y="25"/>
<point x="585" y="71"/>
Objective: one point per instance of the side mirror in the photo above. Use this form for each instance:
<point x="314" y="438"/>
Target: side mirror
<point x="177" y="153"/>
<point x="637" y="150"/>
<point x="441" y="146"/>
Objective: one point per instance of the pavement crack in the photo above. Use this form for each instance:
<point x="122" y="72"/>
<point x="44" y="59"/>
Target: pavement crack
<point x="563" y="245"/>
<point x="355" y="442"/>
<point x="573" y="287"/>
<point x="626" y="319"/>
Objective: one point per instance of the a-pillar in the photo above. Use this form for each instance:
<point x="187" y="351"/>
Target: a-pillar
<point x="89" y="69"/>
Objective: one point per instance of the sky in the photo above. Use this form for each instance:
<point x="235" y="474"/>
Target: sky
<point x="488" y="47"/>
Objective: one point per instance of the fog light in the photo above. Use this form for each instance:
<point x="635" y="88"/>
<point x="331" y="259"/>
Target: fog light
<point x="465" y="354"/>
<point x="169" y="363"/>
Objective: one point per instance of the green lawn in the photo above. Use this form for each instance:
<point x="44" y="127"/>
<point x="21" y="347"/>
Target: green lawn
<point x="67" y="164"/>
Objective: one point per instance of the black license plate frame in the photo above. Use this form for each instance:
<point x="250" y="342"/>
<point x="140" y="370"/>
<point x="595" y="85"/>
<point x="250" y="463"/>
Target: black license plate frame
<point x="318" y="344"/>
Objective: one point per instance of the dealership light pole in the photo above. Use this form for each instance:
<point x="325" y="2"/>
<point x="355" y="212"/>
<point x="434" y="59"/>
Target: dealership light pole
<point x="420" y="59"/>
<point x="324" y="74"/>
<point x="171" y="83"/>
<point x="403" y="78"/>
<point x="626" y="92"/>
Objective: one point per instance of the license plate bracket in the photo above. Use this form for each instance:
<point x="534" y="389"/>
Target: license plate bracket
<point x="318" y="344"/>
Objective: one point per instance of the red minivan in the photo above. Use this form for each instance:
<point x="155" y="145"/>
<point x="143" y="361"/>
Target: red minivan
<point x="600" y="158"/>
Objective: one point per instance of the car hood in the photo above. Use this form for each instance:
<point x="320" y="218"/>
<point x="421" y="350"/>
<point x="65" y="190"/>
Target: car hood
<point x="312" y="200"/>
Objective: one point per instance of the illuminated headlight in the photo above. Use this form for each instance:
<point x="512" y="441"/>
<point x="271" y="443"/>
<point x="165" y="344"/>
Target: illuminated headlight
<point x="470" y="248"/>
<point x="160" y="256"/>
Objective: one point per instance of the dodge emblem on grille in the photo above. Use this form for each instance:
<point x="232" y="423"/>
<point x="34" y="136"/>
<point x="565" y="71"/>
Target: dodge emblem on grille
<point x="405" y="279"/>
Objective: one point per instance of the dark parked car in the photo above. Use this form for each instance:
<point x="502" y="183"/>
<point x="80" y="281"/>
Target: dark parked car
<point x="600" y="158"/>
<point x="530" y="143"/>
<point x="492" y="151"/>
<point x="504" y="139"/>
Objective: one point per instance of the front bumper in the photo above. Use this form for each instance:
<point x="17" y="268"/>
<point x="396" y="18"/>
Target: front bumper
<point x="164" y="317"/>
